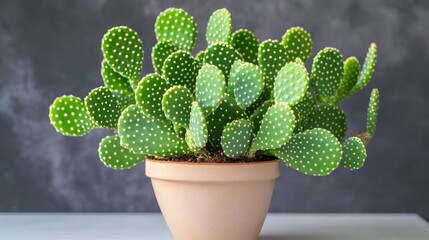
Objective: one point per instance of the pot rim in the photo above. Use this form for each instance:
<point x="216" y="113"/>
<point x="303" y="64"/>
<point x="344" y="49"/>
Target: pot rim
<point x="212" y="172"/>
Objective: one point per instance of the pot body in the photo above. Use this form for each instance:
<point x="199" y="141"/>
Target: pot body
<point x="213" y="201"/>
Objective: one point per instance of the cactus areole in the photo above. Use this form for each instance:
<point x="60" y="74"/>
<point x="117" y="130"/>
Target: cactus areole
<point x="239" y="100"/>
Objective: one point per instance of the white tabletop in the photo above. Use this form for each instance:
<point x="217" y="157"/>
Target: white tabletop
<point x="130" y="226"/>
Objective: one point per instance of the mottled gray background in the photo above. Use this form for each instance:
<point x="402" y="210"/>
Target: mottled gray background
<point x="50" y="48"/>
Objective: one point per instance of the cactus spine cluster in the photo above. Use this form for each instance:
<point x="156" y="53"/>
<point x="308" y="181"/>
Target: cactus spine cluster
<point x="240" y="97"/>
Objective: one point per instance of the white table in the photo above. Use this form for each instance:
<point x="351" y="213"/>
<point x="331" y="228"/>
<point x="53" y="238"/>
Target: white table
<point x="130" y="226"/>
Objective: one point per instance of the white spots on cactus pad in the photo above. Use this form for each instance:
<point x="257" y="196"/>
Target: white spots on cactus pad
<point x="246" y="43"/>
<point x="236" y="137"/>
<point x="176" y="104"/>
<point x="177" y="26"/>
<point x="149" y="95"/>
<point x="210" y="88"/>
<point x="271" y="58"/>
<point x="372" y="112"/>
<point x="115" y="81"/>
<point x="331" y="118"/>
<point x="354" y="153"/>
<point x="160" y="52"/>
<point x="113" y="155"/>
<point x="180" y="68"/>
<point x="291" y="83"/>
<point x="367" y="69"/>
<point x="219" y="27"/>
<point x="313" y="152"/>
<point x="276" y="128"/>
<point x="122" y="49"/>
<point x="198" y="126"/>
<point x="327" y="73"/>
<point x="298" y="44"/>
<point x="69" y="117"/>
<point x="350" y="77"/>
<point x="222" y="56"/>
<point x="247" y="83"/>
<point x="103" y="107"/>
<point x="145" y="135"/>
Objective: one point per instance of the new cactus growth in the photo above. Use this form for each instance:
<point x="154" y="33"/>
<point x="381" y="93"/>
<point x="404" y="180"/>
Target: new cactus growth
<point x="239" y="98"/>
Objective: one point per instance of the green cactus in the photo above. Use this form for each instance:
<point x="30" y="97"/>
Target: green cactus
<point x="149" y="95"/>
<point x="113" y="155"/>
<point x="372" y="112"/>
<point x="239" y="99"/>
<point x="314" y="152"/>
<point x="245" y="42"/>
<point x="291" y="84"/>
<point x="178" y="27"/>
<point x="327" y="73"/>
<point x="103" y="107"/>
<point x="160" y="52"/>
<point x="222" y="56"/>
<point x="148" y="136"/>
<point x="247" y="83"/>
<point x="367" y="69"/>
<point x="276" y="128"/>
<point x="115" y="81"/>
<point x="298" y="44"/>
<point x="210" y="88"/>
<point x="331" y="118"/>
<point x="354" y="153"/>
<point x="122" y="49"/>
<point x="219" y="27"/>
<point x="236" y="138"/>
<point x="198" y="126"/>
<point x="176" y="104"/>
<point x="185" y="73"/>
<point x="69" y="116"/>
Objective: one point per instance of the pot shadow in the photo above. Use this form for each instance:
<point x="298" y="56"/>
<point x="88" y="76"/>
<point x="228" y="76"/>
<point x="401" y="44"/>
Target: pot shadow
<point x="297" y="237"/>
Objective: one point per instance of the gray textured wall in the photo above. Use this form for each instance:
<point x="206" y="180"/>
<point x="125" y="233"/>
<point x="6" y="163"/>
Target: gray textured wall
<point x="50" y="48"/>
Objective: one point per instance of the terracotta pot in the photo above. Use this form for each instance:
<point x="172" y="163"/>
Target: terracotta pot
<point x="212" y="201"/>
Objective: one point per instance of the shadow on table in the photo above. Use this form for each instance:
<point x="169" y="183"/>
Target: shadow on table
<point x="296" y="237"/>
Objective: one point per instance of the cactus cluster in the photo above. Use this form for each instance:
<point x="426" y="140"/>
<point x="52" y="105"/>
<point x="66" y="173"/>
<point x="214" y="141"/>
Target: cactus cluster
<point x="239" y="97"/>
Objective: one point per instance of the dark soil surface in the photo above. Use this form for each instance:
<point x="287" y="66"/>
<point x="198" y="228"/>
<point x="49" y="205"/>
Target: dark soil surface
<point x="217" y="157"/>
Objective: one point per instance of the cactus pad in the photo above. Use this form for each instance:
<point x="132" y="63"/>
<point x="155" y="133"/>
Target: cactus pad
<point x="178" y="27"/>
<point x="69" y="117"/>
<point x="245" y="42"/>
<point x="350" y="77"/>
<point x="113" y="80"/>
<point x="372" y="112"/>
<point x="122" y="49"/>
<point x="124" y="100"/>
<point x="271" y="58"/>
<point x="236" y="137"/>
<point x="210" y="88"/>
<point x="103" y="107"/>
<point x="331" y="118"/>
<point x="291" y="84"/>
<point x="222" y="56"/>
<point x="149" y="95"/>
<point x="276" y="128"/>
<point x="304" y="108"/>
<point x="113" y="155"/>
<point x="258" y="115"/>
<point x="180" y="68"/>
<point x="354" y="153"/>
<point x="176" y="104"/>
<point x="313" y="152"/>
<point x="160" y="52"/>
<point x="327" y="73"/>
<point x="198" y="126"/>
<point x="248" y="83"/>
<point x="298" y="44"/>
<point x="145" y="135"/>
<point x="219" y="27"/>
<point x="228" y="111"/>
<point x="190" y="141"/>
<point x="367" y="68"/>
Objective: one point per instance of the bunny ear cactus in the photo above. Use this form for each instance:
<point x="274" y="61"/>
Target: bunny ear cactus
<point x="239" y="99"/>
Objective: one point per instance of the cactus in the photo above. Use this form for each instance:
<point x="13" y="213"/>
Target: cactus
<point x="219" y="27"/>
<point x="238" y="99"/>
